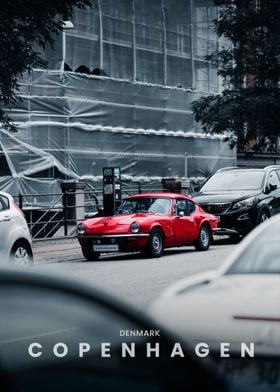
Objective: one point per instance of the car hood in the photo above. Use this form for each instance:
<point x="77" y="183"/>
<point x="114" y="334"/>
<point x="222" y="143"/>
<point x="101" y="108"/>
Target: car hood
<point x="224" y="197"/>
<point x="117" y="223"/>
<point x="227" y="308"/>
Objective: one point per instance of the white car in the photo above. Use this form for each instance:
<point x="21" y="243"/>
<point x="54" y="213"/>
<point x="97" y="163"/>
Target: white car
<point x="238" y="305"/>
<point x="15" y="240"/>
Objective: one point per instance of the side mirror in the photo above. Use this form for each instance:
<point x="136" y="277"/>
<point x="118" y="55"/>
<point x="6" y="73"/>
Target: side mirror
<point x="196" y="188"/>
<point x="270" y="188"/>
<point x="181" y="214"/>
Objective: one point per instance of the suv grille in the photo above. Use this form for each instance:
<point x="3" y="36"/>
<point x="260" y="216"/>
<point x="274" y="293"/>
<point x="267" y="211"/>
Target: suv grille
<point x="215" y="208"/>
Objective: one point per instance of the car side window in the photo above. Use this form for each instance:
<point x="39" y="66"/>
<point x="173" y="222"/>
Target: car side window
<point x="191" y="206"/>
<point x="181" y="205"/>
<point x="4" y="203"/>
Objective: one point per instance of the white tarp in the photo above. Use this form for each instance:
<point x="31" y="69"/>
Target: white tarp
<point x="72" y="124"/>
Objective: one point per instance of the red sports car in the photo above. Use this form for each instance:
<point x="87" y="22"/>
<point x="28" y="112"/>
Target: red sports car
<point x="148" y="223"/>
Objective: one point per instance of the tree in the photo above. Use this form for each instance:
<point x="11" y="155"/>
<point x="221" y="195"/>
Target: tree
<point x="249" y="106"/>
<point x="25" y="25"/>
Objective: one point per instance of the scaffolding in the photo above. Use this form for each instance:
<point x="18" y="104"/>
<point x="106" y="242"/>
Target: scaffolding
<point x="117" y="92"/>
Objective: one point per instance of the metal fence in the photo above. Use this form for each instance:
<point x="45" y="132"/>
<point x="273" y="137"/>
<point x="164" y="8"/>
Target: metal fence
<point x="55" y="215"/>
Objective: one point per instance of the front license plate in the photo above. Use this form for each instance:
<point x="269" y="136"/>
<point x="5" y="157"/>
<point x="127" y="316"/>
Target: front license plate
<point x="106" y="248"/>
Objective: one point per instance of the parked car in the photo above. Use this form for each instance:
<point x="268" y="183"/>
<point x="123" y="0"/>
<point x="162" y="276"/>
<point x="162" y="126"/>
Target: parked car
<point x="15" y="240"/>
<point x="239" y="303"/>
<point x="242" y="198"/>
<point x="149" y="223"/>
<point x="58" y="335"/>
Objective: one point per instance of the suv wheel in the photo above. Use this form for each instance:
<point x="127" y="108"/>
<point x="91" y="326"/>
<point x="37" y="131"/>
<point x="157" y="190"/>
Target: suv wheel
<point x="263" y="217"/>
<point x="235" y="238"/>
<point x="21" y="254"/>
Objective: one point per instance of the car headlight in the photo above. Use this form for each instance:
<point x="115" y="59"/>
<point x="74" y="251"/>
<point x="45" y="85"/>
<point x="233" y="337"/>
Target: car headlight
<point x="81" y="228"/>
<point x="244" y="203"/>
<point x="135" y="227"/>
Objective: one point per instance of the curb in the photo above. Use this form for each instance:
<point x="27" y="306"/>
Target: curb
<point x="54" y="251"/>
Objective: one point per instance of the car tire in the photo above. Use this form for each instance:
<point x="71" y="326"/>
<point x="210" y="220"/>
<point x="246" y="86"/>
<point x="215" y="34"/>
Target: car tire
<point x="89" y="255"/>
<point x="263" y="217"/>
<point x="204" y="238"/>
<point x="235" y="238"/>
<point x="155" y="245"/>
<point x="21" y="254"/>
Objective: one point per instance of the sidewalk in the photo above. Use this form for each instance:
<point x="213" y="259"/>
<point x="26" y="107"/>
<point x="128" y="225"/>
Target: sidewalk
<point x="58" y="250"/>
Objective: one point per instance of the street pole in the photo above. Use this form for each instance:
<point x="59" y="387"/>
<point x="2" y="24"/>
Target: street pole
<point x="63" y="50"/>
<point x="186" y="165"/>
<point x="67" y="24"/>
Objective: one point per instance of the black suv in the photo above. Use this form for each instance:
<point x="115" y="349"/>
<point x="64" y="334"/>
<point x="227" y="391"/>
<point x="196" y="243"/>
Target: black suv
<point x="242" y="198"/>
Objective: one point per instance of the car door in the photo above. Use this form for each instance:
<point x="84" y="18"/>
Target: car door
<point x="273" y="180"/>
<point x="184" y="224"/>
<point x="5" y="225"/>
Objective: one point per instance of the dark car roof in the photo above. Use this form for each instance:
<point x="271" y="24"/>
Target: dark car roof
<point x="168" y="195"/>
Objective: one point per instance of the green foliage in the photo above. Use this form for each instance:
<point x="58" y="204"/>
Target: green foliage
<point x="249" y="106"/>
<point x="25" y="24"/>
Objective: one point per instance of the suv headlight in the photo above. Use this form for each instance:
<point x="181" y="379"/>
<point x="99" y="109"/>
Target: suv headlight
<point x="135" y="227"/>
<point x="247" y="203"/>
<point x="81" y="228"/>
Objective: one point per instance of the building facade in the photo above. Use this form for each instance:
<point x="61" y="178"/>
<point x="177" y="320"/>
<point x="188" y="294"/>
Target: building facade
<point x="117" y="92"/>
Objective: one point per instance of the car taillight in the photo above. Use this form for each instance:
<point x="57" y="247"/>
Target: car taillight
<point x="19" y="209"/>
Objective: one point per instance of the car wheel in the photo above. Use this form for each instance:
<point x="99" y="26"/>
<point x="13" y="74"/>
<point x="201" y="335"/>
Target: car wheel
<point x="90" y="255"/>
<point x="156" y="243"/>
<point x="204" y="239"/>
<point x="235" y="238"/>
<point x="263" y="217"/>
<point x="21" y="254"/>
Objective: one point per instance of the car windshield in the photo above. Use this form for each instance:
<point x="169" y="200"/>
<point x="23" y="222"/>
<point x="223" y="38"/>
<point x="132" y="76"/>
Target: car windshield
<point x="262" y="255"/>
<point x="234" y="180"/>
<point x="153" y="205"/>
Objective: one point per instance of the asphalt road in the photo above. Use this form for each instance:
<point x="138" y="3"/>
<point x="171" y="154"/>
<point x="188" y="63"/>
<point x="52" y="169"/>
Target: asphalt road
<point x="137" y="280"/>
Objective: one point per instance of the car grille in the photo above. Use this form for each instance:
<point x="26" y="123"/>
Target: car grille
<point x="215" y="208"/>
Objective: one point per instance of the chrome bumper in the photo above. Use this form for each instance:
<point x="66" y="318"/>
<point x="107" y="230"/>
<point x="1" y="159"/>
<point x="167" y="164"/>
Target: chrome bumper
<point x="113" y="235"/>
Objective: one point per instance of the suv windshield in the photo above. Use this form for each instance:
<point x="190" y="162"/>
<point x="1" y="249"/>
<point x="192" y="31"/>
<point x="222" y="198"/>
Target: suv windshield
<point x="234" y="180"/>
<point x="153" y="205"/>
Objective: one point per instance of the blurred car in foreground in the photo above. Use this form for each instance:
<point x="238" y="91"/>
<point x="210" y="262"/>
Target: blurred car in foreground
<point x="57" y="335"/>
<point x="15" y="240"/>
<point x="149" y="223"/>
<point x="239" y="303"/>
<point x="242" y="198"/>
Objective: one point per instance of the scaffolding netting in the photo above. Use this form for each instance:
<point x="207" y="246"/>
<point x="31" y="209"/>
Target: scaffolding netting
<point x="117" y="92"/>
